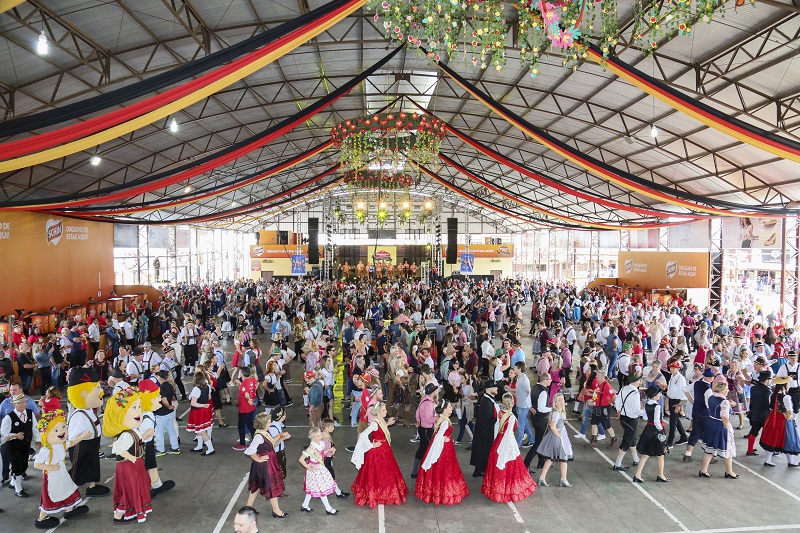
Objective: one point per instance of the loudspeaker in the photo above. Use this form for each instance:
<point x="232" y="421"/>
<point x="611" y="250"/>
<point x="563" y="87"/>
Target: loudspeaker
<point x="452" y="241"/>
<point x="313" y="241"/>
<point x="283" y="237"/>
<point x="258" y="237"/>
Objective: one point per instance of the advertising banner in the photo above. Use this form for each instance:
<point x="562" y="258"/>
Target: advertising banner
<point x="693" y="235"/>
<point x="485" y="250"/>
<point x="751" y="233"/>
<point x="298" y="265"/>
<point x="158" y="237"/>
<point x="126" y="236"/>
<point x="658" y="270"/>
<point x="467" y="263"/>
<point x="255" y="265"/>
<point x="643" y="239"/>
<point x="258" y="251"/>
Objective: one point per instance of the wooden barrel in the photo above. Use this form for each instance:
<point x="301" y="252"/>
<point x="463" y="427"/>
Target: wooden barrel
<point x="76" y="312"/>
<point x="114" y="305"/>
<point x="127" y="300"/>
<point x="93" y="306"/>
<point x="41" y="320"/>
<point x="52" y="322"/>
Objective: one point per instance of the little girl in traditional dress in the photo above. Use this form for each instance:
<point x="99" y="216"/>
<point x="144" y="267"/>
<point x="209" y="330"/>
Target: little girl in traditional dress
<point x="318" y="482"/>
<point x="265" y="473"/>
<point x="402" y="395"/>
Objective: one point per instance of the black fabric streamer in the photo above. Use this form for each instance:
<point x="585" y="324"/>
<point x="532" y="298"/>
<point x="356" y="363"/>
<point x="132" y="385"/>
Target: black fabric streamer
<point x="697" y="198"/>
<point x="119" y="96"/>
<point x="309" y="111"/>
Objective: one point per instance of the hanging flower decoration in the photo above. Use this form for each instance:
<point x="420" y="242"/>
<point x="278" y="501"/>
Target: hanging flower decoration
<point x="391" y="134"/>
<point x="378" y="179"/>
<point x="478" y="29"/>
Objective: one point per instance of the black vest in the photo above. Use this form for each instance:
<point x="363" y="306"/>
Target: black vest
<point x="536" y="391"/>
<point x="27" y="427"/>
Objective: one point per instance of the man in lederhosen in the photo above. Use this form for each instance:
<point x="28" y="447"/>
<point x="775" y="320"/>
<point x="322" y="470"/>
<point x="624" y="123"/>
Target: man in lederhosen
<point x="16" y="432"/>
<point x="85" y="395"/>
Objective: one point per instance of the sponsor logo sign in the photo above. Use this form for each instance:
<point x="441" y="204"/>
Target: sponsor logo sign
<point x="672" y="268"/>
<point x="628" y="266"/>
<point x="54" y="228"/>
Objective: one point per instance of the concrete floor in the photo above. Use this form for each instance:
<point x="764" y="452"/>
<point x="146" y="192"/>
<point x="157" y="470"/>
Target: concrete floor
<point x="210" y="489"/>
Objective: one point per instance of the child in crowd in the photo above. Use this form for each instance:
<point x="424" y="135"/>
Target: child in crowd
<point x="318" y="480"/>
<point x="328" y="426"/>
<point x="278" y="416"/>
<point x="51" y="401"/>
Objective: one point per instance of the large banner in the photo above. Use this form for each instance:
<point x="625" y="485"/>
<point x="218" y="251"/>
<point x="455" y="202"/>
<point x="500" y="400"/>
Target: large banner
<point x="298" y="265"/>
<point x="693" y="235"/>
<point x="126" y="236"/>
<point x="258" y="251"/>
<point x="467" y="263"/>
<point x="642" y="239"/>
<point x="751" y="233"/>
<point x="485" y="250"/>
<point x="658" y="270"/>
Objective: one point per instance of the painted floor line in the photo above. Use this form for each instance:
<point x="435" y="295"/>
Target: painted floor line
<point x="231" y="503"/>
<point x="516" y="513"/>
<point x="785" y="491"/>
<point x="744" y="529"/>
<point x="638" y="487"/>
<point x="381" y="519"/>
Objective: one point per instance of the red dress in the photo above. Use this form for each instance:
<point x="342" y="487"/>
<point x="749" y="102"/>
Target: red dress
<point x="379" y="480"/>
<point x="513" y="483"/>
<point x="443" y="483"/>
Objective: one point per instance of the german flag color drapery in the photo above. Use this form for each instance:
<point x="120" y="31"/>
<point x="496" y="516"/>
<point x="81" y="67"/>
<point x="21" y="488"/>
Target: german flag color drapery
<point x="659" y="192"/>
<point x="112" y="126"/>
<point x="747" y="133"/>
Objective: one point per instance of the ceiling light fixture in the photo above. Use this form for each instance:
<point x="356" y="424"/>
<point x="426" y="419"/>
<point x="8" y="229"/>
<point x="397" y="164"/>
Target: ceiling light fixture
<point x="95" y="160"/>
<point x="41" y="45"/>
<point x="653" y="131"/>
<point x="173" y="126"/>
<point x="188" y="188"/>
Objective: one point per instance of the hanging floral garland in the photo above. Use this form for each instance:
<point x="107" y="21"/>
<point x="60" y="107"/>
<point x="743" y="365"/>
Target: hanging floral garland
<point x="394" y="135"/>
<point x="478" y="28"/>
<point x="378" y="179"/>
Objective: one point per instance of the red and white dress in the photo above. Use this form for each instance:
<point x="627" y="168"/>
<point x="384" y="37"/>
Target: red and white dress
<point x="59" y="492"/>
<point x="200" y="418"/>
<point x="379" y="479"/>
<point x="131" y="481"/>
<point x="506" y="478"/>
<point x="440" y="480"/>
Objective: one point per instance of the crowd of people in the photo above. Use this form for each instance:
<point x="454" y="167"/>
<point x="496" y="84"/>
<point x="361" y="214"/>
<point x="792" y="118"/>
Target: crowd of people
<point x="445" y="358"/>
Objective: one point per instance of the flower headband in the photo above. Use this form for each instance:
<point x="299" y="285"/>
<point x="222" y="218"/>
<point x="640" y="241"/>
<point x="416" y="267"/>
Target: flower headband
<point x="48" y="418"/>
<point x="125" y="395"/>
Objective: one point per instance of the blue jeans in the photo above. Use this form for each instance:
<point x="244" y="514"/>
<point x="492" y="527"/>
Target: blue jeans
<point x="523" y="426"/>
<point x="355" y="408"/>
<point x="26" y="382"/>
<point x="55" y="376"/>
<point x="587" y="415"/>
<point x="463" y="423"/>
<point x="612" y="365"/>
<point x="164" y="423"/>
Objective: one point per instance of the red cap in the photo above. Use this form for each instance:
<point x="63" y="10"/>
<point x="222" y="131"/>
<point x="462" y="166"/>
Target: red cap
<point x="147" y="385"/>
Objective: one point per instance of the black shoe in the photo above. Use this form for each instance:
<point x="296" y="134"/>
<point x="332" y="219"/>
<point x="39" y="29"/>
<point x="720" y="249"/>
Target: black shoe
<point x="662" y="479"/>
<point x="687" y="459"/>
<point x="289" y="404"/>
<point x="751" y="454"/>
<point x="22" y="494"/>
<point x="793" y="465"/>
<point x="306" y="509"/>
<point x="768" y="464"/>
<point x="81" y="509"/>
<point x="703" y="474"/>
<point x="343" y="495"/>
<point x="681" y="441"/>
<point x="477" y="474"/>
<point x="209" y="452"/>
<point x="48" y="523"/>
<point x="24" y="477"/>
<point x="334" y="512"/>
<point x="350" y="449"/>
<point x="469" y="447"/>
<point x="728" y="476"/>
<point x="276" y="515"/>
<point x="98" y="490"/>
<point x="621" y="468"/>
<point x="4" y="482"/>
<point x="637" y="480"/>
<point x="636" y="463"/>
<point x="413" y="476"/>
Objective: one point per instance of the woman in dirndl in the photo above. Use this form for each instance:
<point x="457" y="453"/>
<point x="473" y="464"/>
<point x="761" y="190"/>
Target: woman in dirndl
<point x="201" y="414"/>
<point x="652" y="440"/>
<point x="780" y="429"/>
<point x="555" y="445"/>
<point x="718" y="437"/>
<point x="736" y="396"/>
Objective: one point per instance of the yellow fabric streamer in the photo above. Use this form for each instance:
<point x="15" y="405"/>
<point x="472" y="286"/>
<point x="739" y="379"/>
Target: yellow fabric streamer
<point x="5" y="5"/>
<point x="148" y="118"/>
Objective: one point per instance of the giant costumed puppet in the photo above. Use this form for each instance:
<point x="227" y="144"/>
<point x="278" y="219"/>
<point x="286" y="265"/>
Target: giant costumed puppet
<point x="123" y="417"/>
<point x="59" y="492"/>
<point x="151" y="401"/>
<point x="85" y="395"/>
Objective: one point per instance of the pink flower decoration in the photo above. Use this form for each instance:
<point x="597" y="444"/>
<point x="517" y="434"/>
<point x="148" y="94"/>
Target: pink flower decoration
<point x="561" y="39"/>
<point x="549" y="13"/>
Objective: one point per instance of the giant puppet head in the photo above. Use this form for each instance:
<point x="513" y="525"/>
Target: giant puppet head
<point x="83" y="389"/>
<point x="150" y="394"/>
<point x="123" y="412"/>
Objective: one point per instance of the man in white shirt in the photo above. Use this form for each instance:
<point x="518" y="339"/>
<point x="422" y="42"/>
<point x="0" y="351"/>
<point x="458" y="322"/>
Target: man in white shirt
<point x="523" y="404"/>
<point x="629" y="407"/>
<point x="149" y="357"/>
<point x="135" y="368"/>
<point x="676" y="395"/>
<point x="487" y="350"/>
<point x="18" y="432"/>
